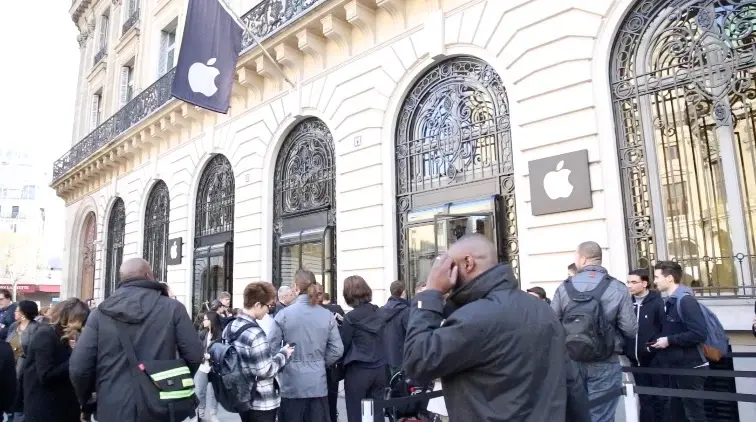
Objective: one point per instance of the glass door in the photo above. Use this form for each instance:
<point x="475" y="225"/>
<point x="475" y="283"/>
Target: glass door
<point x="311" y="250"/>
<point x="427" y="241"/>
<point x="212" y="275"/>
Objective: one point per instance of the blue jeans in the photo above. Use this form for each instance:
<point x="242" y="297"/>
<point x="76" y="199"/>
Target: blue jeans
<point x="601" y="378"/>
<point x="14" y="417"/>
<point x="205" y="394"/>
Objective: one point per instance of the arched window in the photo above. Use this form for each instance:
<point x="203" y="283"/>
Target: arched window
<point x="156" y="220"/>
<point x="304" y="206"/>
<point x="214" y="233"/>
<point x="88" y="253"/>
<point x="116" y="232"/>
<point x="454" y="168"/>
<point x="684" y="93"/>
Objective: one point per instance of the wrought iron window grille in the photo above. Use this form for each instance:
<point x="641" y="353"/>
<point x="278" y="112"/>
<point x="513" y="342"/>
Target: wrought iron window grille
<point x="114" y="251"/>
<point x="156" y="224"/>
<point x="684" y="94"/>
<point x="130" y="22"/>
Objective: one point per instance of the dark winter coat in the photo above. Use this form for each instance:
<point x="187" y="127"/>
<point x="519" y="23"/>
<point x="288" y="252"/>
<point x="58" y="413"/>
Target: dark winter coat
<point x="7" y="377"/>
<point x="48" y="395"/>
<point x="500" y="355"/>
<point x="7" y="318"/>
<point x="650" y="314"/>
<point x="159" y="328"/>
<point x="395" y="313"/>
<point x="685" y="332"/>
<point x="361" y="334"/>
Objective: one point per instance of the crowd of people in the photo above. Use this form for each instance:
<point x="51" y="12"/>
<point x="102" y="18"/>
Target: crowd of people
<point x="501" y="353"/>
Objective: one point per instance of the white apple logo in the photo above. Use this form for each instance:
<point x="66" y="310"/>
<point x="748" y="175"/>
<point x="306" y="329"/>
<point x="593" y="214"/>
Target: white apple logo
<point x="202" y="78"/>
<point x="174" y="250"/>
<point x="557" y="183"/>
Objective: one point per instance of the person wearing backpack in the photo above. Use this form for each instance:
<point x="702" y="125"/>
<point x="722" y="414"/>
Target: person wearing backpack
<point x="680" y="344"/>
<point x="258" y="397"/>
<point x="597" y="314"/>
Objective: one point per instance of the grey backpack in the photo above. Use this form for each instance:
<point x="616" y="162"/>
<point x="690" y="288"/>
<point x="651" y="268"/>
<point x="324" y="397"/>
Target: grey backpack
<point x="589" y="336"/>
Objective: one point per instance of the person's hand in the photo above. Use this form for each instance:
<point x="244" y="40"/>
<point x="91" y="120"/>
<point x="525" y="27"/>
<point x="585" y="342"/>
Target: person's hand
<point x="207" y="356"/>
<point x="72" y="344"/>
<point x="338" y="317"/>
<point x="288" y="351"/>
<point x="443" y="275"/>
<point x="662" y="343"/>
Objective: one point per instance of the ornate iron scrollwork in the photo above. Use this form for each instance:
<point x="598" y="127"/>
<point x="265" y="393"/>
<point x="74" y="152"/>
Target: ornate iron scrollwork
<point x="215" y="198"/>
<point x="116" y="235"/>
<point x="156" y="221"/>
<point x="686" y="64"/>
<point x="270" y="15"/>
<point x="454" y="128"/>
<point x="304" y="178"/>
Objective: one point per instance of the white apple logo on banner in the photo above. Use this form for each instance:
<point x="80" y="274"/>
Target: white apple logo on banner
<point x="202" y="78"/>
<point x="557" y="183"/>
<point x="174" y="251"/>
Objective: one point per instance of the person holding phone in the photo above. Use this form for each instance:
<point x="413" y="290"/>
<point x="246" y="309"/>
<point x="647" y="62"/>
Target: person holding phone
<point x="649" y="309"/>
<point x="491" y="367"/>
<point x="257" y="358"/>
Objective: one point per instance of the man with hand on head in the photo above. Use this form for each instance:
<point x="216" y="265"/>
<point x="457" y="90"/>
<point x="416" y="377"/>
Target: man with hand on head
<point x="491" y="368"/>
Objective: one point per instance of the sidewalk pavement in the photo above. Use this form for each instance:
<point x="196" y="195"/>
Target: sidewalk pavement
<point x="224" y="416"/>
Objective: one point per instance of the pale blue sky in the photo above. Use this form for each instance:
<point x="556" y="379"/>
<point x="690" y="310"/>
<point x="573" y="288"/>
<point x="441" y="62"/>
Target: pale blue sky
<point x="38" y="75"/>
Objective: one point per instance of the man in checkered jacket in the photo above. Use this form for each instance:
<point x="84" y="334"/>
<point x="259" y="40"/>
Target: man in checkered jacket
<point x="255" y="357"/>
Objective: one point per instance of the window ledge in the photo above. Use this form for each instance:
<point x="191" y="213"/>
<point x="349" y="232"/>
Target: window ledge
<point x="97" y="68"/>
<point x="131" y="34"/>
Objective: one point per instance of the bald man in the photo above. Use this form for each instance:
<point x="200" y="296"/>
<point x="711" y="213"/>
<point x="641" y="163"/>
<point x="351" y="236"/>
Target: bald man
<point x="500" y="353"/>
<point x="602" y="373"/>
<point x="158" y="327"/>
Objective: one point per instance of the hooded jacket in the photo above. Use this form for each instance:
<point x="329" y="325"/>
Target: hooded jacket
<point x="649" y="313"/>
<point x="500" y="355"/>
<point x="361" y="334"/>
<point x="616" y="303"/>
<point x="159" y="328"/>
<point x="395" y="313"/>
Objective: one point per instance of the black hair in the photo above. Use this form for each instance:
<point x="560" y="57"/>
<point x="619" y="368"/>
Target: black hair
<point x="28" y="309"/>
<point x="668" y="268"/>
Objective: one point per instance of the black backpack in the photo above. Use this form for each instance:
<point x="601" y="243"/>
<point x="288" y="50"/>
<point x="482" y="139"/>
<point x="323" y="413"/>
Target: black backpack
<point x="589" y="336"/>
<point x="232" y="389"/>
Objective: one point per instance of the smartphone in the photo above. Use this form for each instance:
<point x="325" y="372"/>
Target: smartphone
<point x="292" y="344"/>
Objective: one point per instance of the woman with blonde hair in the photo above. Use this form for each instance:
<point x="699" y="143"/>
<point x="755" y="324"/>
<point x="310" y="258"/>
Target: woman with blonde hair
<point x="48" y="393"/>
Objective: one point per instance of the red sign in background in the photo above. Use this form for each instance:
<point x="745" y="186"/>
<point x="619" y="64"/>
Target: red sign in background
<point x="32" y="288"/>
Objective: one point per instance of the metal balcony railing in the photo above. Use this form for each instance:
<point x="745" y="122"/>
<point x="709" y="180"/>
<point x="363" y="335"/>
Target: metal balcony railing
<point x="264" y="20"/>
<point x="130" y="22"/>
<point x="100" y="55"/>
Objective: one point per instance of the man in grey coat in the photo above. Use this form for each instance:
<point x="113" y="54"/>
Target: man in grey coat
<point x="617" y="305"/>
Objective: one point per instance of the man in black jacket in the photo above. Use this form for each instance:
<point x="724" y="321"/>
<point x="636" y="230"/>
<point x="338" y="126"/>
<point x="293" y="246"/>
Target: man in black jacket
<point x="680" y="341"/>
<point x="500" y="355"/>
<point x="159" y="328"/>
<point x="7" y="309"/>
<point x="395" y="313"/>
<point x="649" y="309"/>
<point x="7" y="377"/>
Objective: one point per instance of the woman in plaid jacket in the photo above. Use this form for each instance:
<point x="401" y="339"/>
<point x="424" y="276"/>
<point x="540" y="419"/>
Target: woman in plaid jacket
<point x="255" y="357"/>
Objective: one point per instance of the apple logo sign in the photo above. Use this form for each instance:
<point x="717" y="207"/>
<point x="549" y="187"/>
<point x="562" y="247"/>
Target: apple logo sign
<point x="174" y="251"/>
<point x="201" y="78"/>
<point x="557" y="184"/>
